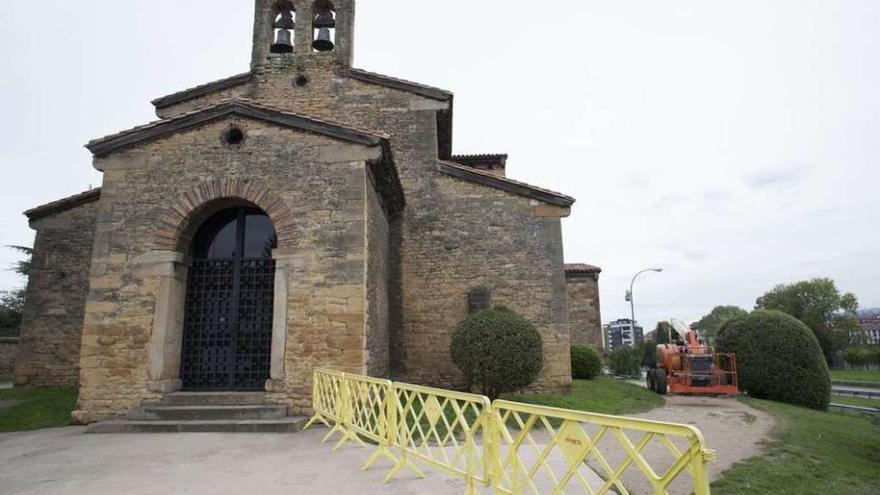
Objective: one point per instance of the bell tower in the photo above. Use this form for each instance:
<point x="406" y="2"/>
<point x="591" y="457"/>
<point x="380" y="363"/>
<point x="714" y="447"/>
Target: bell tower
<point x="299" y="30"/>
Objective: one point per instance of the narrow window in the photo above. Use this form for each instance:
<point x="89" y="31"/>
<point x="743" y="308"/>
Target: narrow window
<point x="324" y="27"/>
<point x="283" y="25"/>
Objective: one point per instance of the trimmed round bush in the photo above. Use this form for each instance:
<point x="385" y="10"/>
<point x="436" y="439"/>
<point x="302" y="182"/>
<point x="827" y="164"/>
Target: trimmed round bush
<point x="498" y="350"/>
<point x="586" y="363"/>
<point x="778" y="358"/>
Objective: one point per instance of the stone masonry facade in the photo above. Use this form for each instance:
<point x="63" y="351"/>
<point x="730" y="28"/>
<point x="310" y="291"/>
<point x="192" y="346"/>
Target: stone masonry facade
<point x="51" y="327"/>
<point x="584" y="318"/>
<point x="382" y="233"/>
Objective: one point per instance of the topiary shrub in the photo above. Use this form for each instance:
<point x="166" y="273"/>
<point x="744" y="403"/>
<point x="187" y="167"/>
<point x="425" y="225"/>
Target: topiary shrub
<point x="625" y="361"/>
<point x="586" y="363"/>
<point x="778" y="358"/>
<point x="498" y="350"/>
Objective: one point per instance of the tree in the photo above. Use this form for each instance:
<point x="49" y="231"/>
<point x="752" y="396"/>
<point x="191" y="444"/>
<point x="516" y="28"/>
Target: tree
<point x="12" y="302"/>
<point x="649" y="355"/>
<point x="816" y="303"/>
<point x="498" y="350"/>
<point x="23" y="267"/>
<point x="664" y="333"/>
<point x="11" y="306"/>
<point x="625" y="361"/>
<point x="711" y="323"/>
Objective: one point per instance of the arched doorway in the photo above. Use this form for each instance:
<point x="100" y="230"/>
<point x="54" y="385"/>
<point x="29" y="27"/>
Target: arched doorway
<point x="227" y="332"/>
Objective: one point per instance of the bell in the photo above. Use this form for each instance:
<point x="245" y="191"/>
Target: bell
<point x="323" y="43"/>
<point x="282" y="43"/>
<point x="324" y="19"/>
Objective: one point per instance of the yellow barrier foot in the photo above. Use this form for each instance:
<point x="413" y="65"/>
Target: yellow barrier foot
<point x="316" y="418"/>
<point x="332" y="432"/>
<point x="402" y="463"/>
<point x="381" y="452"/>
<point x="348" y="436"/>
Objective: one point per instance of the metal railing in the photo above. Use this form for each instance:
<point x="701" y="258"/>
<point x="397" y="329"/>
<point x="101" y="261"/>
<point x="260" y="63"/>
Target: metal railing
<point x="511" y="447"/>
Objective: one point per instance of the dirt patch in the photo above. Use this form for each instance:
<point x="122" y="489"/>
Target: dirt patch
<point x="734" y="430"/>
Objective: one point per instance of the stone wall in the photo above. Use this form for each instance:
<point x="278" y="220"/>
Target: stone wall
<point x="378" y="272"/>
<point x="321" y="183"/>
<point x="584" y="316"/>
<point x="449" y="242"/>
<point x="49" y="349"/>
<point x="8" y="349"/>
<point x="470" y="237"/>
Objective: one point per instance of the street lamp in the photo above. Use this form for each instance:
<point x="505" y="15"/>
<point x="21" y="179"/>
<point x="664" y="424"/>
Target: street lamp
<point x="630" y="298"/>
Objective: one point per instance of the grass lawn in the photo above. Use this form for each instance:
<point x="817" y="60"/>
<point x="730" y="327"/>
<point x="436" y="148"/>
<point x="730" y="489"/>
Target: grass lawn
<point x="601" y="395"/>
<point x="856" y="401"/>
<point x="862" y="376"/>
<point x="36" y="408"/>
<point x="814" y="453"/>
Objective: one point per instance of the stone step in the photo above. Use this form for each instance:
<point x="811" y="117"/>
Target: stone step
<point x="208" y="413"/>
<point x="283" y="425"/>
<point x="214" y="399"/>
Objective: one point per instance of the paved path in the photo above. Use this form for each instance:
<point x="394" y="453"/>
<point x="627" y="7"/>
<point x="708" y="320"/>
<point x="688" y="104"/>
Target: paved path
<point x="67" y="461"/>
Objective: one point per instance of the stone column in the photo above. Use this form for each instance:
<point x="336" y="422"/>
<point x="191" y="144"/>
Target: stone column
<point x="170" y="268"/>
<point x="285" y="263"/>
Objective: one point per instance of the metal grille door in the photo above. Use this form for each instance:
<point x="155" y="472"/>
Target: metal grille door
<point x="227" y="338"/>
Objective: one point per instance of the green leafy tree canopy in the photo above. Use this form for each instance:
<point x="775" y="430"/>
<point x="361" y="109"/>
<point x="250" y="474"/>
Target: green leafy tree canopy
<point x="816" y="303"/>
<point x="711" y="323"/>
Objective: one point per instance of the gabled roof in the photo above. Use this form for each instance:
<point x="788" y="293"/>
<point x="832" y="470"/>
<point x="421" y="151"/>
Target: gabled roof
<point x="482" y="161"/>
<point x="515" y="187"/>
<point x="581" y="269"/>
<point x="242" y="107"/>
<point x="63" y="204"/>
<point x="444" y="118"/>
<point x="401" y="84"/>
<point x="202" y="90"/>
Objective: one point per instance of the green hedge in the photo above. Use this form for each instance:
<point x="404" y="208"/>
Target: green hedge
<point x="778" y="358"/>
<point x="498" y="350"/>
<point x="586" y="363"/>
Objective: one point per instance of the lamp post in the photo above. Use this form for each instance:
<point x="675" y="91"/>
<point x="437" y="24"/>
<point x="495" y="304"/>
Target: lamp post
<point x="631" y="299"/>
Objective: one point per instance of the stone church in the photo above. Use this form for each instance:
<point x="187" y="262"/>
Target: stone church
<point x="302" y="214"/>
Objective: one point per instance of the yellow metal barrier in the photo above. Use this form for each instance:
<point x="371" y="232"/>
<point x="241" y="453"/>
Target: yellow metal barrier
<point x="445" y="430"/>
<point x="547" y="450"/>
<point x="514" y="448"/>
<point x="332" y="404"/>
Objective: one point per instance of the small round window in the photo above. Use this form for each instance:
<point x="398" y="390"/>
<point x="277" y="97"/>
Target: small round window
<point x="233" y="136"/>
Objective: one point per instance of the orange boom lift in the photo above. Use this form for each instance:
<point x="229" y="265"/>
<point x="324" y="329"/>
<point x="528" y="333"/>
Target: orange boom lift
<point x="689" y="367"/>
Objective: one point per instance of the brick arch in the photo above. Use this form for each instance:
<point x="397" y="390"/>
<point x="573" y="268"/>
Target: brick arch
<point x="178" y="222"/>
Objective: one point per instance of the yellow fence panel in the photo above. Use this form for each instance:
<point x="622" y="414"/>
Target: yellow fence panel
<point x="544" y="450"/>
<point x="514" y="448"/>
<point x="446" y="430"/>
<point x="368" y="404"/>
<point x="330" y="402"/>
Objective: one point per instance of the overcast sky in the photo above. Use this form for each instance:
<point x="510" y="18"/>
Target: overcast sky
<point x="734" y="144"/>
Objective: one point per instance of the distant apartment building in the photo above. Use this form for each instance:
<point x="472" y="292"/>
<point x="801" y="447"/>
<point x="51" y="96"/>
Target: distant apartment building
<point x="872" y="328"/>
<point x="623" y="332"/>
